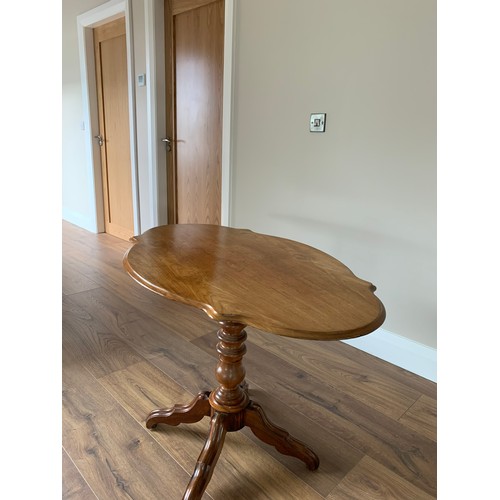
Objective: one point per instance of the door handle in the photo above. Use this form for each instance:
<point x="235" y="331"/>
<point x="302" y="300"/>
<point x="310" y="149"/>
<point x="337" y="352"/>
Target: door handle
<point x="168" y="143"/>
<point x="99" y="138"/>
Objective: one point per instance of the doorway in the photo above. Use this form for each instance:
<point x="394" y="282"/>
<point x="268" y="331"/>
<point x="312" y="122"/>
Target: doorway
<point x="113" y="138"/>
<point x="194" y="50"/>
<point x="87" y="22"/>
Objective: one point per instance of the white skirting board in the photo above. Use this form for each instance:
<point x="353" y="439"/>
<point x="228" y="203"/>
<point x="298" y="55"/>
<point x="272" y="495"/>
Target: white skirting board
<point x="400" y="351"/>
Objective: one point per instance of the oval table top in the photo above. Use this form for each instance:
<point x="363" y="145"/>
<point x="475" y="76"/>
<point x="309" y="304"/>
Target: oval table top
<point x="273" y="284"/>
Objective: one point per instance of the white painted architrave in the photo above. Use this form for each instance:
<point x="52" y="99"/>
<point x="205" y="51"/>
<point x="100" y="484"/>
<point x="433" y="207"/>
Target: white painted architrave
<point x="227" y="111"/>
<point x="99" y="15"/>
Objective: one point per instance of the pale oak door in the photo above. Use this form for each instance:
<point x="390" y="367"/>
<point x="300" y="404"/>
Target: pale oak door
<point x="194" y="52"/>
<point x="114" y="135"/>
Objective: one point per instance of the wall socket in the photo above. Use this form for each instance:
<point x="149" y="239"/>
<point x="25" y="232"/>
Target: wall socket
<point x="317" y="122"/>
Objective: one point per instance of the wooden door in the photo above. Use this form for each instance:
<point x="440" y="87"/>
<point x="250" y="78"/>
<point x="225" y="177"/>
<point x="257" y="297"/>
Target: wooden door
<point x="112" y="93"/>
<point x="194" y="37"/>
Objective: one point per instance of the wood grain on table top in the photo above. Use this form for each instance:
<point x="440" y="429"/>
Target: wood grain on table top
<point x="273" y="284"/>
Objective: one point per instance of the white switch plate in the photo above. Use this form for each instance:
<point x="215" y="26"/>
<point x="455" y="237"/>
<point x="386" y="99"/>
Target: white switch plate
<point x="141" y="80"/>
<point x="317" y="122"/>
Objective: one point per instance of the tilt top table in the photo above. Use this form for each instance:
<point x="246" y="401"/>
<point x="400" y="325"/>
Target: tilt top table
<point x="242" y="278"/>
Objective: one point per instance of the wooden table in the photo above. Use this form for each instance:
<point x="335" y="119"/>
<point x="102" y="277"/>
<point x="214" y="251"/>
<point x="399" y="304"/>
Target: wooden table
<point x="242" y="278"/>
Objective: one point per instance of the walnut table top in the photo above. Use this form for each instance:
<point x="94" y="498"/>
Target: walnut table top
<point x="273" y="284"/>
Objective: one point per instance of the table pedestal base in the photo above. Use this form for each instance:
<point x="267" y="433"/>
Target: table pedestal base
<point x="230" y="410"/>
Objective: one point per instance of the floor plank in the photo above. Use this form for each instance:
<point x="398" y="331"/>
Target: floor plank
<point x="422" y="417"/>
<point x="370" y="480"/>
<point x="74" y="486"/>
<point x="116" y="455"/>
<point x="88" y="338"/>
<point x="364" y="384"/>
<point x="73" y="281"/>
<point x="384" y="368"/>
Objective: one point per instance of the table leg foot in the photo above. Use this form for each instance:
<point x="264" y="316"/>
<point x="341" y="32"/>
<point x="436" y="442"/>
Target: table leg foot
<point x="256" y="419"/>
<point x="181" y="414"/>
<point x="208" y="457"/>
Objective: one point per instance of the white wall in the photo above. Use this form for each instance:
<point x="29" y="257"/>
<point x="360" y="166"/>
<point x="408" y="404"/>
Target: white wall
<point x="76" y="183"/>
<point x="365" y="190"/>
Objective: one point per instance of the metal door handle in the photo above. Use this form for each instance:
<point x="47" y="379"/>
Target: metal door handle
<point x="168" y="143"/>
<point x="99" y="138"/>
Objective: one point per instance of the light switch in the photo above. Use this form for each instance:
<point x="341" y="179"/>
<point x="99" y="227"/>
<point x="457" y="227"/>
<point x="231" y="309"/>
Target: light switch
<point x="141" y="80"/>
<point x="317" y="122"/>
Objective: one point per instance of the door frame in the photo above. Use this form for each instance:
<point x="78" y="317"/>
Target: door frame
<point x="227" y="109"/>
<point x="155" y="111"/>
<point x="227" y="106"/>
<point x="102" y="14"/>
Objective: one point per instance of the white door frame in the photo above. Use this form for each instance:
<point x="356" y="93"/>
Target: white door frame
<point x="156" y="113"/>
<point x="227" y="111"/>
<point x="102" y="14"/>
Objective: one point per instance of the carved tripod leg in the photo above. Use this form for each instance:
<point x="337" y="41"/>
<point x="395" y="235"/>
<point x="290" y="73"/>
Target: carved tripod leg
<point x="256" y="419"/>
<point x="208" y="458"/>
<point x="181" y="414"/>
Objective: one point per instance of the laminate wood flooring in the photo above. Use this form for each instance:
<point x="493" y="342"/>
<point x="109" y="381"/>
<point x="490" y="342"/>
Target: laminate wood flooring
<point x="127" y="351"/>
